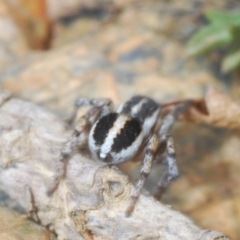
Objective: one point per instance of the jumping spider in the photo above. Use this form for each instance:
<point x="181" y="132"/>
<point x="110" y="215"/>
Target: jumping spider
<point x="116" y="137"/>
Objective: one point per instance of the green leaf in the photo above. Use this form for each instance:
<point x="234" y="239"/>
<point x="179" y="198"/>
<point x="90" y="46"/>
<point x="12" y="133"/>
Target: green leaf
<point x="224" y="18"/>
<point x="231" y="61"/>
<point x="207" y="38"/>
<point x="235" y="31"/>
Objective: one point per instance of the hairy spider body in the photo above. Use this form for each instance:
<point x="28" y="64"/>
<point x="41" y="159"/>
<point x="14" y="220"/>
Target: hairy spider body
<point x="116" y="137"/>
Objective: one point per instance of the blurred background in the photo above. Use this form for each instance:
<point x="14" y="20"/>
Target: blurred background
<point x="52" y="51"/>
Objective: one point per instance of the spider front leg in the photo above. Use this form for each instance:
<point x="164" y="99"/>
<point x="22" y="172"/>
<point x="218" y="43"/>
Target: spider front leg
<point x="150" y="152"/>
<point x="104" y="104"/>
<point x="81" y="127"/>
<point x="100" y="107"/>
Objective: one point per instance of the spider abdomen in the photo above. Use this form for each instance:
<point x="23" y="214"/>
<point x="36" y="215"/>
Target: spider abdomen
<point x="116" y="136"/>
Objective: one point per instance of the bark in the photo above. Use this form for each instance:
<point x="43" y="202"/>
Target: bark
<point x="90" y="203"/>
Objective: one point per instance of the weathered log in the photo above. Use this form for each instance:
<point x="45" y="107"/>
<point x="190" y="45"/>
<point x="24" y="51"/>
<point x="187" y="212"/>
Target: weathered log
<point x="90" y="203"/>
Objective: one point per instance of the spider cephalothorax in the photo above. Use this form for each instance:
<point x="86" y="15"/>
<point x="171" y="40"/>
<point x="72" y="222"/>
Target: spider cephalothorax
<point x="116" y="137"/>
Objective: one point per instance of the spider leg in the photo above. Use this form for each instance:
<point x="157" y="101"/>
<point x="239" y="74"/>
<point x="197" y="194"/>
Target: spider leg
<point x="172" y="116"/>
<point x="67" y="149"/>
<point x="31" y="204"/>
<point x="79" y="136"/>
<point x="172" y="171"/>
<point x="150" y="153"/>
<point x="158" y="143"/>
<point x="166" y="143"/>
<point x="104" y="104"/>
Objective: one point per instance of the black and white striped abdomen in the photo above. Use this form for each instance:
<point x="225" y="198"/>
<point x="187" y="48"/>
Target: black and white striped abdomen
<point x="117" y="136"/>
